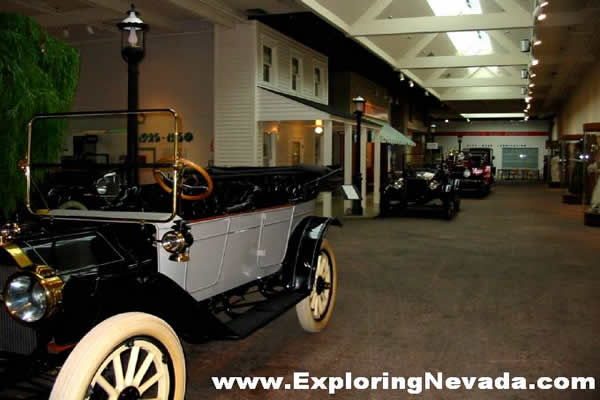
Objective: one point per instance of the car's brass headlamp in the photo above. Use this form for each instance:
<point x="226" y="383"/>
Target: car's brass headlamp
<point x="33" y="295"/>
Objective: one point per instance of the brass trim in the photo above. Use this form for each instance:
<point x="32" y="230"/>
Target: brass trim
<point x="52" y="285"/>
<point x="17" y="253"/>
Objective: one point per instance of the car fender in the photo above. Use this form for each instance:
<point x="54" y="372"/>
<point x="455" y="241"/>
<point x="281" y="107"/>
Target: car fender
<point x="153" y="293"/>
<point x="303" y="251"/>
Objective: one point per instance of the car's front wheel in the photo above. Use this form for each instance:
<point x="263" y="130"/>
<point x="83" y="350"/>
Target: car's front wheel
<point x="128" y="356"/>
<point x="314" y="312"/>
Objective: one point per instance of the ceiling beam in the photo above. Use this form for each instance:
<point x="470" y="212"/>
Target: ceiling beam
<point x="498" y="60"/>
<point x="478" y="82"/>
<point x="420" y="45"/>
<point x="467" y="94"/>
<point x="478" y="22"/>
<point x="212" y="10"/>
<point x="374" y="10"/>
<point x="121" y="7"/>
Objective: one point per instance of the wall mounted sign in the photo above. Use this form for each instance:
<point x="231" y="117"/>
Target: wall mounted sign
<point x="155" y="137"/>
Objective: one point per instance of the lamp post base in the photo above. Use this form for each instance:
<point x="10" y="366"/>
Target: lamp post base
<point x="357" y="208"/>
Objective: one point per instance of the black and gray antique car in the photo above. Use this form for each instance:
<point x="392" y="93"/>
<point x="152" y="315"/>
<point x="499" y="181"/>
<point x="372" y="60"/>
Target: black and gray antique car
<point x="421" y="189"/>
<point x="128" y="254"/>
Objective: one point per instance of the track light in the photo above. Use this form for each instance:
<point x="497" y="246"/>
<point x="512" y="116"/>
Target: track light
<point x="531" y="85"/>
<point x="544" y="4"/>
<point x="523" y="91"/>
<point x="90" y="29"/>
<point x="402" y="78"/>
<point x="533" y="75"/>
<point x="447" y="121"/>
<point x="535" y="62"/>
<point x="536" y="41"/>
<point x="526" y="118"/>
<point x="525" y="45"/>
<point x="411" y="84"/>
<point x="426" y="93"/>
<point x="542" y="17"/>
<point x="524" y="74"/>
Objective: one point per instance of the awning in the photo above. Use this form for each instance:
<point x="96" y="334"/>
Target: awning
<point x="391" y="135"/>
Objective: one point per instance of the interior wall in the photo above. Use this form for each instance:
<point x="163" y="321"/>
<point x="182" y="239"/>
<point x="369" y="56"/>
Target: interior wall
<point x="297" y="131"/>
<point x="177" y="72"/>
<point x="583" y="106"/>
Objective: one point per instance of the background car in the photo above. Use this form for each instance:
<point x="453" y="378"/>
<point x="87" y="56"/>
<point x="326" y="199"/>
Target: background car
<point x="423" y="189"/>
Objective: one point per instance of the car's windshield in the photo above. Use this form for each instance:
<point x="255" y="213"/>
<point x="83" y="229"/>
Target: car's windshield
<point x="103" y="165"/>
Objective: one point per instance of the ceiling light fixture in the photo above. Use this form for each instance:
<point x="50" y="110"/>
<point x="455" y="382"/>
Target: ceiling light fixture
<point x="402" y="78"/>
<point x="536" y="41"/>
<point x="535" y="62"/>
<point x="426" y="93"/>
<point x="447" y="121"/>
<point x="525" y="45"/>
<point x="411" y="84"/>
<point x="533" y="75"/>
<point x="524" y="73"/>
<point x="523" y="91"/>
<point x="526" y="118"/>
<point x="542" y="17"/>
<point x="531" y="85"/>
<point x="90" y="29"/>
<point x="544" y="4"/>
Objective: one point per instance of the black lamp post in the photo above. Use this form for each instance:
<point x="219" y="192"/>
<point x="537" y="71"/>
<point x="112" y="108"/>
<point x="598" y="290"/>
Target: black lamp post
<point x="359" y="109"/>
<point x="133" y="44"/>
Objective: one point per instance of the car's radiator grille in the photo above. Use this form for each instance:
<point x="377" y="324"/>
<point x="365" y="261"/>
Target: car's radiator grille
<point x="14" y="337"/>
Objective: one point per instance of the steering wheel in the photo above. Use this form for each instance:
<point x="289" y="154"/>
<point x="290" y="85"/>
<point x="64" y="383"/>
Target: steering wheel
<point x="160" y="178"/>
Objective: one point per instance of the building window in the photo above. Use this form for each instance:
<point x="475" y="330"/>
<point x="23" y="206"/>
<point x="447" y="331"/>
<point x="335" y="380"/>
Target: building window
<point x="317" y="82"/>
<point x="267" y="63"/>
<point x="296" y="75"/>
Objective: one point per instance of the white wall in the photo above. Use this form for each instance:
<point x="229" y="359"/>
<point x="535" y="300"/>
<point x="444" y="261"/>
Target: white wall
<point x="177" y="72"/>
<point x="496" y="135"/>
<point x="284" y="48"/>
<point x="582" y="106"/>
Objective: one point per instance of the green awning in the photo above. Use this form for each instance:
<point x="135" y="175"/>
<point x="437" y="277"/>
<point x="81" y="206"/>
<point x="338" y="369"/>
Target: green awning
<point x="392" y="136"/>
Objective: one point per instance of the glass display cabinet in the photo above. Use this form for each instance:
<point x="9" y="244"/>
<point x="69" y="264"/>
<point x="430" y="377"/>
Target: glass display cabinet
<point x="591" y="178"/>
<point x="571" y="148"/>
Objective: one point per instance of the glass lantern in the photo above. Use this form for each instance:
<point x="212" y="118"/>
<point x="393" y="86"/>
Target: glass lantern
<point x="133" y="36"/>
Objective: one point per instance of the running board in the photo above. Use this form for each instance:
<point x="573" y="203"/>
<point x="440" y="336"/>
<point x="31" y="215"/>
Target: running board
<point x="261" y="314"/>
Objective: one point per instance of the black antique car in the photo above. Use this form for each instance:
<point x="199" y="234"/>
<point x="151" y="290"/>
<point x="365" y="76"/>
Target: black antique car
<point x="421" y="189"/>
<point x="475" y="170"/>
<point x="126" y="256"/>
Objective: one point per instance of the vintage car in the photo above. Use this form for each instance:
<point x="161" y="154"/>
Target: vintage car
<point x="421" y="189"/>
<point x="474" y="169"/>
<point x="114" y="269"/>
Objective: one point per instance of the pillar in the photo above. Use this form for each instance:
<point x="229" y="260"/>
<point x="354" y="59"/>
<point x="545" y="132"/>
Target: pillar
<point x="347" y="161"/>
<point x="327" y="159"/>
<point x="363" y="167"/>
<point x="377" y="169"/>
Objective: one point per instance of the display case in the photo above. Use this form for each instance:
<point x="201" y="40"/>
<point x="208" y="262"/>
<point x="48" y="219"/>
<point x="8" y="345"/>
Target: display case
<point x="571" y="148"/>
<point x="591" y="178"/>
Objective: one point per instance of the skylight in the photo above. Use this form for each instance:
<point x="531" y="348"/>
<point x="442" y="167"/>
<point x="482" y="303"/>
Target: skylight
<point x="466" y="43"/>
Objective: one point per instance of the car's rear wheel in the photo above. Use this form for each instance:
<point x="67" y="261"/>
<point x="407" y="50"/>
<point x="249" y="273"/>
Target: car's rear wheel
<point x="314" y="312"/>
<point x="128" y="356"/>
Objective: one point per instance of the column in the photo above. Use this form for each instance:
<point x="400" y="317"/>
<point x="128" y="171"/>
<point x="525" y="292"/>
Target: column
<point x="327" y="159"/>
<point x="377" y="169"/>
<point x="273" y="144"/>
<point x="363" y="167"/>
<point x="347" y="162"/>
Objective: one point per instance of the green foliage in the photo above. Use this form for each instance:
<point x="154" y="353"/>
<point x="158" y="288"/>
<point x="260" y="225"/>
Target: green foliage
<point x="38" y="74"/>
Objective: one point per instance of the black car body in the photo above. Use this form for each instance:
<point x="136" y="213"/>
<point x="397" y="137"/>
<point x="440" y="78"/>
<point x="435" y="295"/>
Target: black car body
<point x="424" y="188"/>
<point x="474" y="169"/>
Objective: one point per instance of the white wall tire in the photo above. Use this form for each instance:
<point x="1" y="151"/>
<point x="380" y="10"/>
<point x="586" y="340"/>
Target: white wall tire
<point x="314" y="312"/>
<point x="128" y="352"/>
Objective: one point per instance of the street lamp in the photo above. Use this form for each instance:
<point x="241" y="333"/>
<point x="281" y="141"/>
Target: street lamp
<point x="359" y="110"/>
<point x="133" y="44"/>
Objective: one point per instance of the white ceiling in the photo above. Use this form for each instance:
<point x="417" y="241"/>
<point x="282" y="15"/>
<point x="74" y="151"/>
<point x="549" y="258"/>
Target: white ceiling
<point x="405" y="33"/>
<point x="409" y="36"/>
